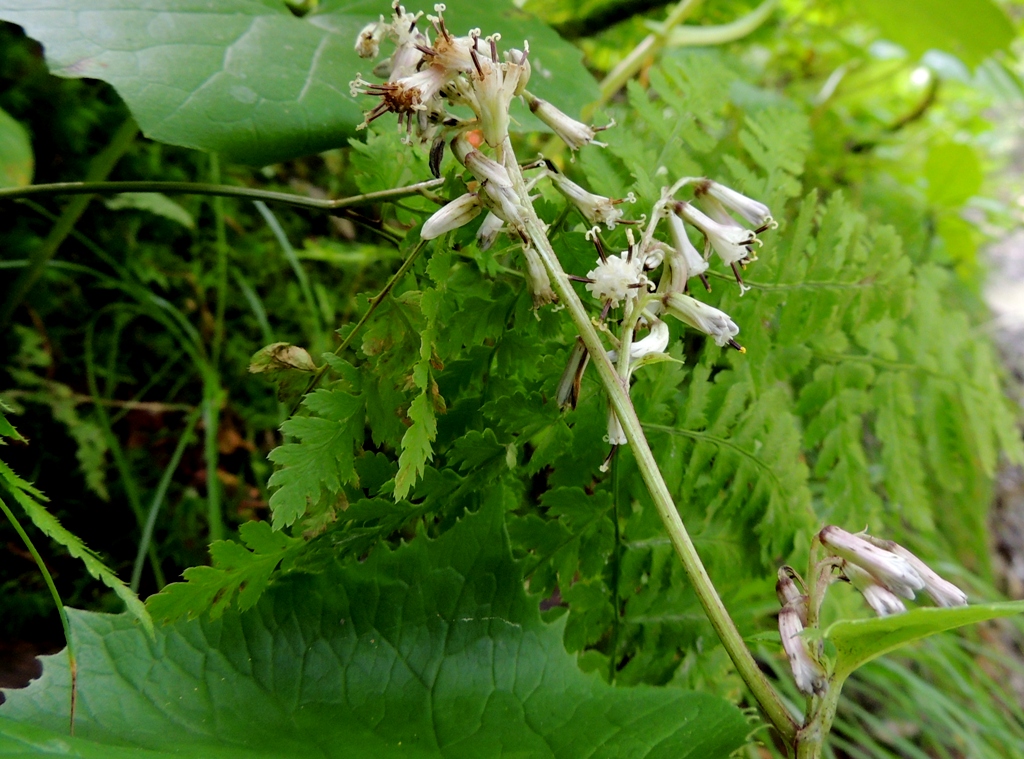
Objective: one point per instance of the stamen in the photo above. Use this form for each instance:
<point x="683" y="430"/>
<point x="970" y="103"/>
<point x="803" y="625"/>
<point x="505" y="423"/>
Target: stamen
<point x="608" y="459"/>
<point x="576" y="278"/>
<point x="736" y="271"/>
<point x="737" y="346"/>
<point x="704" y="281"/>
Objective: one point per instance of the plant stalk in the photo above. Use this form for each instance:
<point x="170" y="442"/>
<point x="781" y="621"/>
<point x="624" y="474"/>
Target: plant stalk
<point x="618" y="394"/>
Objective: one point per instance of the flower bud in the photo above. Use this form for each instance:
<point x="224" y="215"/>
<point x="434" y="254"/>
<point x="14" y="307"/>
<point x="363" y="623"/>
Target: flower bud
<point x="459" y="212"/>
<point x="597" y="209"/>
<point x="568" y="393"/>
<point x="573" y="133"/>
<point x="489" y="230"/>
<point x="809" y="675"/>
<point x="731" y="243"/>
<point x="368" y="41"/>
<point x="789" y="594"/>
<point x="888" y="570"/>
<point x="704" y="318"/>
<point x="884" y="602"/>
<point x="942" y="592"/>
<point x="537" y="278"/>
<point x="755" y="212"/>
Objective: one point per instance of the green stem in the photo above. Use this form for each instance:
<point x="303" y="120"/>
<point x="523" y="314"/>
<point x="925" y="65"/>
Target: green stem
<point x="377" y="300"/>
<point x="131" y="489"/>
<point x="221" y="267"/>
<point x="158" y="498"/>
<point x="48" y="579"/>
<point x="618" y="394"/>
<point x="99" y="168"/>
<point x="196" y="188"/>
<point x="705" y="36"/>
<point x="212" y="397"/>
<point x="648" y="47"/>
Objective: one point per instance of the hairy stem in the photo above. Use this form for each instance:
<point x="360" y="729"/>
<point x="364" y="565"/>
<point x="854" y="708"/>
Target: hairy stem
<point x="618" y="394"/>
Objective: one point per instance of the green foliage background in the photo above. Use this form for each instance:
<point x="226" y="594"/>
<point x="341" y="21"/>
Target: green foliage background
<point x="868" y="394"/>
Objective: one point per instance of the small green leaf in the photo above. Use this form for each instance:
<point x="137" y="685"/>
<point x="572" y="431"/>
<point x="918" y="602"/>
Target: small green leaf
<point x="859" y="641"/>
<point x="416" y="445"/>
<point x="432" y="650"/>
<point x="16" y="159"/>
<point x="322" y="459"/>
<point x="235" y="570"/>
<point x="155" y="203"/>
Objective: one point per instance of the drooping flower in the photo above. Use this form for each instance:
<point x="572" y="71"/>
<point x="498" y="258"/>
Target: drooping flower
<point x="887" y="568"/>
<point x="789" y="594"/>
<point x="731" y="243"/>
<point x="942" y="592"/>
<point x="754" y="212"/>
<point x="704" y="318"/>
<point x="883" y="601"/>
<point x="809" y="675"/>
<point x="575" y="134"/>
<point x="489" y="231"/>
<point x="459" y="212"/>
<point x="684" y="262"/>
<point x="597" y="209"/>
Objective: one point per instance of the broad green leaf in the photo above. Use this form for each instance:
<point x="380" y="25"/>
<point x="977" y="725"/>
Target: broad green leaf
<point x="248" y="79"/>
<point x="970" y="29"/>
<point x="858" y="641"/>
<point x="28" y="498"/>
<point x="16" y="159"/>
<point x="954" y="173"/>
<point x="432" y="650"/>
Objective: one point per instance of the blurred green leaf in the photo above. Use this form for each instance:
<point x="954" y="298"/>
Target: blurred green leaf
<point x="155" y="203"/>
<point x="16" y="160"/>
<point x="954" y="173"/>
<point x="970" y="29"/>
<point x="858" y="641"/>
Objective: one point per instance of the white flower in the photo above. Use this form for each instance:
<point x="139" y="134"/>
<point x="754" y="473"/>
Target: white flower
<point x="368" y="41"/>
<point x="731" y="243"/>
<point x="789" y="594"/>
<point x="597" y="209"/>
<point x="613" y="278"/>
<point x="703" y="317"/>
<point x="684" y="262"/>
<point x="459" y="212"/>
<point x="573" y="133"/>
<point x="883" y="601"/>
<point x="537" y="278"/>
<point x="809" y="675"/>
<point x="489" y="230"/>
<point x="942" y="592"/>
<point x="616" y="435"/>
<point x="755" y="212"/>
<point x="889" y="570"/>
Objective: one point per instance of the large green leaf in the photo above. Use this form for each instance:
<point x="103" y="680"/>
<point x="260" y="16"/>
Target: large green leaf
<point x="246" y="78"/>
<point x="970" y="29"/>
<point x="859" y="641"/>
<point x="432" y="650"/>
<point x="16" y="159"/>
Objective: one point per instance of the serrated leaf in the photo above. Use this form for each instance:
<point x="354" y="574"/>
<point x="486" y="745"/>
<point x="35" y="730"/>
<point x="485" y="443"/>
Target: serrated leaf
<point x="26" y="496"/>
<point x="858" y="641"/>
<point x="417" y="446"/>
<point x="322" y="461"/>
<point x="248" y="79"/>
<point x="235" y="570"/>
<point x="432" y="650"/>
